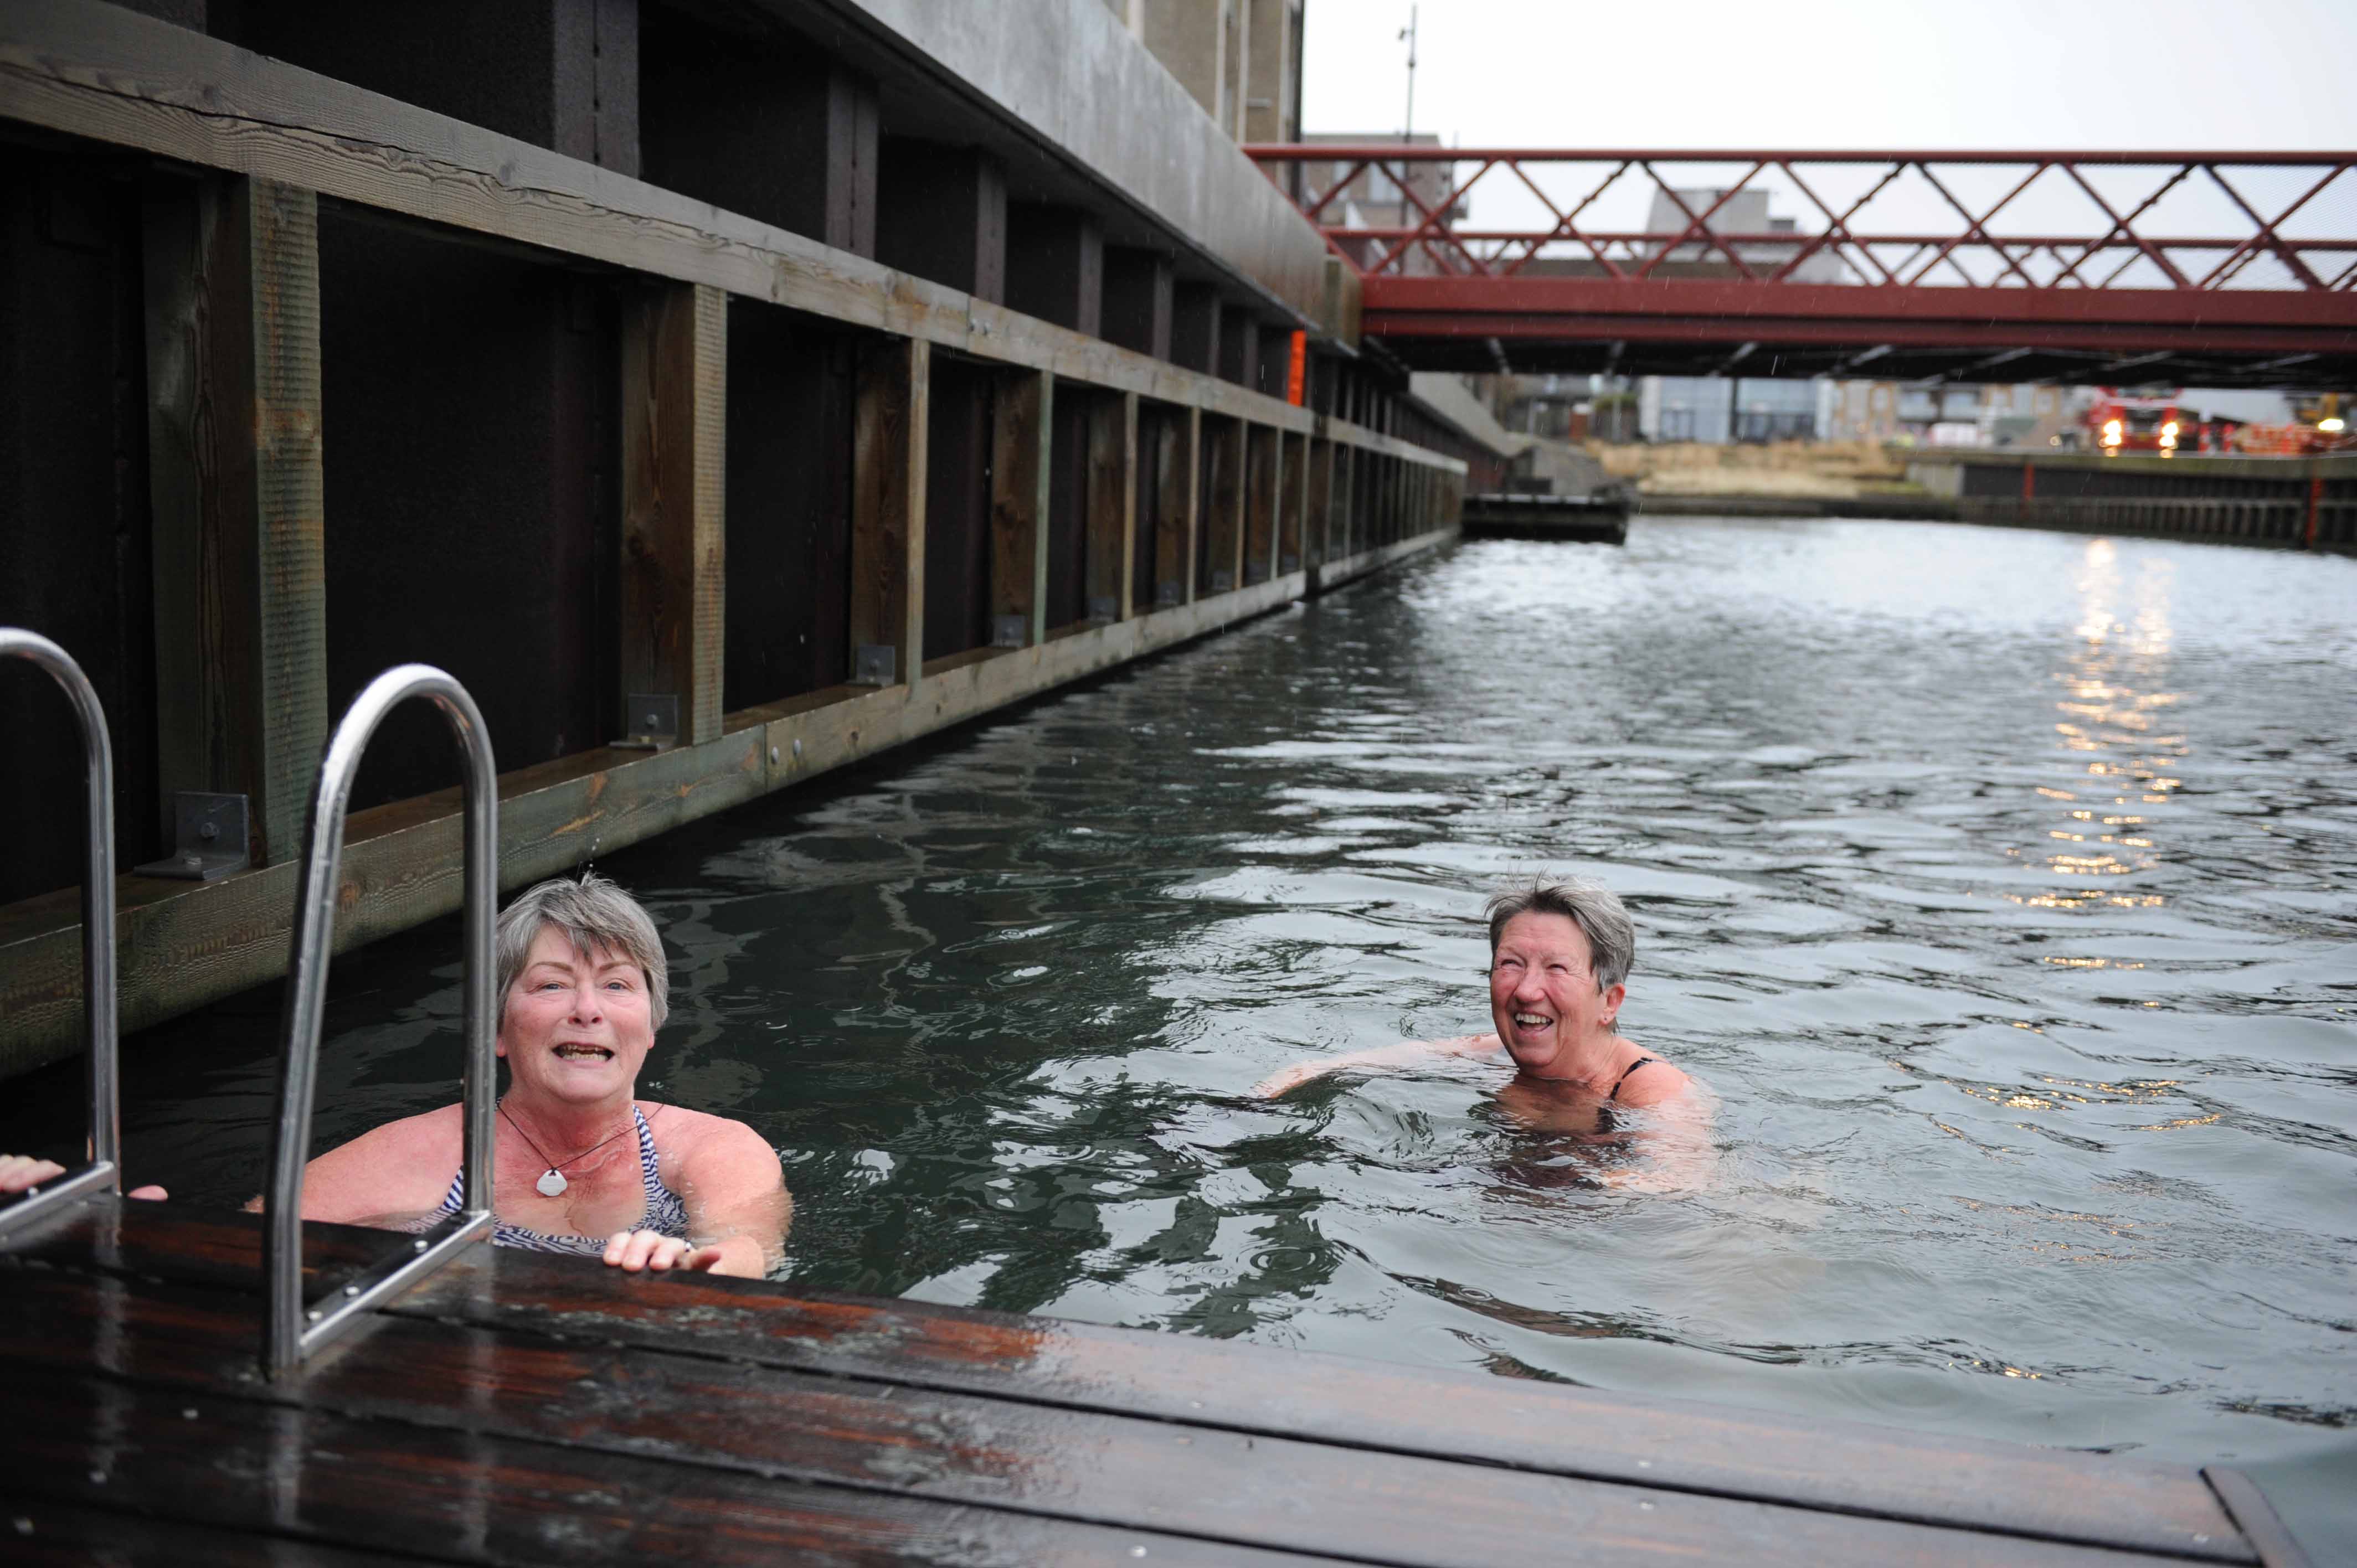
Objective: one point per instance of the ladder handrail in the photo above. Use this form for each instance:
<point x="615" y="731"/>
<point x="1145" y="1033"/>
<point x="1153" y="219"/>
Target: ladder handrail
<point x="293" y="1332"/>
<point x="103" y="1170"/>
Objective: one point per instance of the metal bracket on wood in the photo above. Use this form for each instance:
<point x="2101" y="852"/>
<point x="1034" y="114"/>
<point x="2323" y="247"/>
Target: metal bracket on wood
<point x="654" y="722"/>
<point x="1104" y="609"/>
<point x="1009" y="631"/>
<point x="212" y="837"/>
<point x="875" y="664"/>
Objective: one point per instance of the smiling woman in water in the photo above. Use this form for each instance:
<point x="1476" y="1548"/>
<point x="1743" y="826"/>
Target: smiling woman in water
<point x="581" y="1164"/>
<point x="1560" y="958"/>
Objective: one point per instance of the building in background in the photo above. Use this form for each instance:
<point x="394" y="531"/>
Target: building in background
<point x="1239" y="59"/>
<point x="1717" y="410"/>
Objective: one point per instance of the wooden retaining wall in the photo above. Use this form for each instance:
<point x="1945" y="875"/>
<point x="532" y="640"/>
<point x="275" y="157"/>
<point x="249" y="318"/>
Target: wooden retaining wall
<point x="2296" y="502"/>
<point x="334" y="382"/>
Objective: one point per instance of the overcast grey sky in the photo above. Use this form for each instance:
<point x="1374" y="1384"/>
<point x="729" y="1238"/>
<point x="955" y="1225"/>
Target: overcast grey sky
<point x="2194" y="74"/>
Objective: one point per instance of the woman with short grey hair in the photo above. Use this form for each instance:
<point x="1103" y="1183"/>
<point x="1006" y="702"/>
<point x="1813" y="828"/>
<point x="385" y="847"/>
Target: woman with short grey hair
<point x="1559" y="960"/>
<point x="581" y="1164"/>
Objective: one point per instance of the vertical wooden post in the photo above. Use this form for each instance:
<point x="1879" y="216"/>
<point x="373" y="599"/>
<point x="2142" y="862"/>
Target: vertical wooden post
<point x="1318" y="504"/>
<point x="1292" y="547"/>
<point x="1225" y="505"/>
<point x="1021" y="428"/>
<point x="1112" y="505"/>
<point x="894" y="400"/>
<point x="1261" y="463"/>
<point x="2315" y="507"/>
<point x="673" y="587"/>
<point x="1346" y="504"/>
<point x="1179" y="465"/>
<point x="235" y="486"/>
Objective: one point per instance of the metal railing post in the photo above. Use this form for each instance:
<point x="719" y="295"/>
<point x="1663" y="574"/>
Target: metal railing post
<point x="103" y="1171"/>
<point x="293" y="1331"/>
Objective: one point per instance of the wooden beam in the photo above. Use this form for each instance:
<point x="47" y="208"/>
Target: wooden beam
<point x="235" y="484"/>
<point x="674" y="357"/>
<point x="1020" y="427"/>
<point x="888" y="459"/>
<point x="1112" y="505"/>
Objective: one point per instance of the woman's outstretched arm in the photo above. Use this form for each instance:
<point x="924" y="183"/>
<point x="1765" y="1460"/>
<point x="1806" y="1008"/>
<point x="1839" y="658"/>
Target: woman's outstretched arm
<point x="1378" y="1058"/>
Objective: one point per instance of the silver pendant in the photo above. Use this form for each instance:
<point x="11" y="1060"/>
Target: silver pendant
<point x="552" y="1184"/>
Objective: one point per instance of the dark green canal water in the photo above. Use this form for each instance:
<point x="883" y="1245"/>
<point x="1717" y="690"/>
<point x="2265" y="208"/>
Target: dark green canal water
<point x="2000" y="884"/>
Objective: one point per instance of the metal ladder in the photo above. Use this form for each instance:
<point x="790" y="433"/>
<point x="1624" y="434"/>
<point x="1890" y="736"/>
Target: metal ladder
<point x="103" y="1173"/>
<point x="295" y="1330"/>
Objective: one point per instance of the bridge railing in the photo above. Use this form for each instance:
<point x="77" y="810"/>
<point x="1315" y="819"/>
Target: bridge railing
<point x="2037" y="221"/>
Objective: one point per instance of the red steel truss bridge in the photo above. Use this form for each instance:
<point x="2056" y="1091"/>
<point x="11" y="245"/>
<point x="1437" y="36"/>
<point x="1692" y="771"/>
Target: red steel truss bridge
<point x="2194" y="269"/>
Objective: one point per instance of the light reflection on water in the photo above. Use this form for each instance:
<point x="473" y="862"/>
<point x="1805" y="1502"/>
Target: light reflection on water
<point x="2000" y="884"/>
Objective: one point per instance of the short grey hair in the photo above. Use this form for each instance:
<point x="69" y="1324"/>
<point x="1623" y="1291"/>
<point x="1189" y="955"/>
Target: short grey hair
<point x="593" y="912"/>
<point x="1592" y="907"/>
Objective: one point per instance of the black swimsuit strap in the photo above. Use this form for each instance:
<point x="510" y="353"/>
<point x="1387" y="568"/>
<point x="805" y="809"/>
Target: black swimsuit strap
<point x="1632" y="1066"/>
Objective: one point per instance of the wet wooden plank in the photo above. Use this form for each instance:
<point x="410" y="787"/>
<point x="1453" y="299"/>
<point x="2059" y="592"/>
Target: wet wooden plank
<point x="247" y="1481"/>
<point x="38" y="1531"/>
<point x="1254" y="1394"/>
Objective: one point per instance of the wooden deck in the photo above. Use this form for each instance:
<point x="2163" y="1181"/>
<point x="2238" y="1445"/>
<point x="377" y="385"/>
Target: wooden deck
<point x="525" y="1409"/>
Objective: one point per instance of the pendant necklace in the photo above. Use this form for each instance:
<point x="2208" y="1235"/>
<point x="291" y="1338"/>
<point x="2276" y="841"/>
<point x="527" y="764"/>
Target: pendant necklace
<point x="552" y="1183"/>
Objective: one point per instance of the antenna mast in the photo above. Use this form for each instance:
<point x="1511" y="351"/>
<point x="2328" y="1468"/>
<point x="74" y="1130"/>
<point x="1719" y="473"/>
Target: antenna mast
<point x="1407" y="133"/>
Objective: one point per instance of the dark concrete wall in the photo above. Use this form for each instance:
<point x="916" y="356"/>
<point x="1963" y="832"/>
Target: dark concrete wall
<point x="941" y="214"/>
<point x="562" y="74"/>
<point x="469" y="403"/>
<point x="1055" y="265"/>
<point x="752" y="126"/>
<point x="789" y="504"/>
<point x="73" y="507"/>
<point x="957" y="509"/>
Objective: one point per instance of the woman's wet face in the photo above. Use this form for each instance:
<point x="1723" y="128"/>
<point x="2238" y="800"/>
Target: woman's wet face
<point x="1543" y="993"/>
<point x="577" y="1025"/>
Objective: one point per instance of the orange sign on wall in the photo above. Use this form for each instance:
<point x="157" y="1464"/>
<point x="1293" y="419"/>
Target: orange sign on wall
<point x="1297" y="374"/>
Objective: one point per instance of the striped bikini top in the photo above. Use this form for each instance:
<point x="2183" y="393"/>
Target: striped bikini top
<point x="665" y="1213"/>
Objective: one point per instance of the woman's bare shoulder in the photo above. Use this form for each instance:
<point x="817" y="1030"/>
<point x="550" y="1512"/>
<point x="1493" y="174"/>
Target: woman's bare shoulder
<point x="426" y="1133"/>
<point x="1655" y="1081"/>
<point x="683" y="1132"/>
